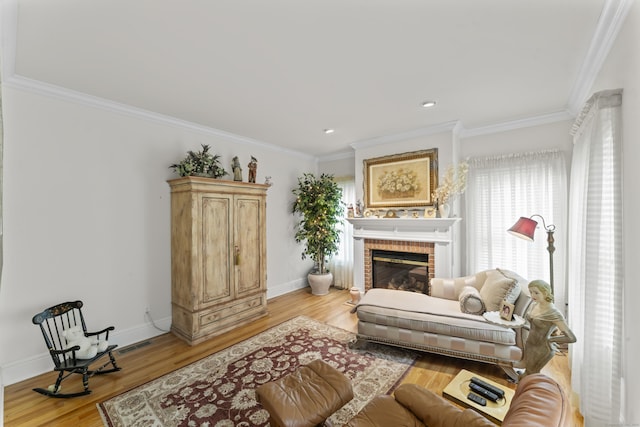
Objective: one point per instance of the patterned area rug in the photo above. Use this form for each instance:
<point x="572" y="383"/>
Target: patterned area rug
<point x="218" y="391"/>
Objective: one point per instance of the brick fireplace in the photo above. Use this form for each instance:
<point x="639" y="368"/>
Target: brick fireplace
<point x="436" y="237"/>
<point x="399" y="247"/>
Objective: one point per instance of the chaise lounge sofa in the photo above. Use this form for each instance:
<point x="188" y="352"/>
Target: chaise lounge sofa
<point x="450" y="319"/>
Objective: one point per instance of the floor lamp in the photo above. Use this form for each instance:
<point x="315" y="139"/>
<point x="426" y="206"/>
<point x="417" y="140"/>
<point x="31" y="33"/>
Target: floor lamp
<point x="525" y="228"/>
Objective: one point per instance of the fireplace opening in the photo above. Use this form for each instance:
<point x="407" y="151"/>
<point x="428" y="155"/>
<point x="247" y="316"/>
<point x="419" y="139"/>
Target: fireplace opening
<point x="405" y="271"/>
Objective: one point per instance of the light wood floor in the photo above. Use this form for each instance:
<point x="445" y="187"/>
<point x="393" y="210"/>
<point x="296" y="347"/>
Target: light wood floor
<point x="24" y="407"/>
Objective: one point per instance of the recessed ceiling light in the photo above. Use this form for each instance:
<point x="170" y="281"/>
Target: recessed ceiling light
<point x="428" y="104"/>
<point x="328" y="131"/>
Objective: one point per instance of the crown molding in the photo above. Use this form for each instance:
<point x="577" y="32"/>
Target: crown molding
<point x="458" y="130"/>
<point x="456" y="126"/>
<point x="8" y="34"/>
<point x="337" y="156"/>
<point x="609" y="24"/>
<point x="65" y="94"/>
<point x="543" y="119"/>
<point x="416" y="133"/>
<point x="614" y="13"/>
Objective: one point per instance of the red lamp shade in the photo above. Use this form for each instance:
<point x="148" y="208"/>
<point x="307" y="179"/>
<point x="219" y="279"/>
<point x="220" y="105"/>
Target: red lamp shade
<point x="524" y="228"/>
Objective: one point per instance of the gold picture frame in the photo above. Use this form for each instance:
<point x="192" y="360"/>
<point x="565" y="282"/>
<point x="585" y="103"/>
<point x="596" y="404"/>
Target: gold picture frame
<point x="401" y="180"/>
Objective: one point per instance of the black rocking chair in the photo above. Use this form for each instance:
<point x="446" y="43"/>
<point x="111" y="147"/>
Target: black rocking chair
<point x="53" y="321"/>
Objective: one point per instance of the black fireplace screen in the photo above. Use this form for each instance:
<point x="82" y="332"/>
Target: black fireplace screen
<point x="405" y="271"/>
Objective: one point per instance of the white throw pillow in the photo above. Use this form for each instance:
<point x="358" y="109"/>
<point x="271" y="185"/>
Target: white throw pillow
<point x="498" y="287"/>
<point x="470" y="301"/>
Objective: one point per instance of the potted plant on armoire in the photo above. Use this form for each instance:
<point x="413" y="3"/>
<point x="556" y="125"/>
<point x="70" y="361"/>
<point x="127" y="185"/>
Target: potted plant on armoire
<point x="320" y="210"/>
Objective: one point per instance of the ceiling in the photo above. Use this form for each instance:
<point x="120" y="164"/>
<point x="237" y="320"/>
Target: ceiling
<point x="281" y="71"/>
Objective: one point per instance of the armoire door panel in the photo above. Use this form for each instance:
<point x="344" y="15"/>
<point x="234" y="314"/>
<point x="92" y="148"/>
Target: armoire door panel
<point x="216" y="265"/>
<point x="248" y="242"/>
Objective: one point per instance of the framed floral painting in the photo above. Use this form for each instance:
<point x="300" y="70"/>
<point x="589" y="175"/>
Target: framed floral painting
<point x="401" y="180"/>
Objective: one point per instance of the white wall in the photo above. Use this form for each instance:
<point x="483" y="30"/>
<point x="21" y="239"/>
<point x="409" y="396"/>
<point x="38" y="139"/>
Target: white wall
<point x="622" y="70"/>
<point x="341" y="166"/>
<point x="86" y="216"/>
<point x="550" y="136"/>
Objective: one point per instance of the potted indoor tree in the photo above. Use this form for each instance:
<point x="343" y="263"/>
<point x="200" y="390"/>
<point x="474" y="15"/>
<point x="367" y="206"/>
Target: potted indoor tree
<point x="201" y="163"/>
<point x="319" y="206"/>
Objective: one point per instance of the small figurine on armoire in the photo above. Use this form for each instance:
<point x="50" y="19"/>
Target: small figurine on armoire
<point x="237" y="170"/>
<point x="253" y="166"/>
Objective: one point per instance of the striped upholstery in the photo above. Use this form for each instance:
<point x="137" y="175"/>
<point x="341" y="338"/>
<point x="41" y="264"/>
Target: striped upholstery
<point x="438" y="343"/>
<point x="434" y="323"/>
<point x="451" y="288"/>
<point x="454" y="327"/>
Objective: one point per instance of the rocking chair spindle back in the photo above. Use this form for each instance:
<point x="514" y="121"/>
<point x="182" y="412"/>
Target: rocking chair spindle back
<point x="53" y="322"/>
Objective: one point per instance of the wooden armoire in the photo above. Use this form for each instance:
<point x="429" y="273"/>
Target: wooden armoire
<point x="218" y="256"/>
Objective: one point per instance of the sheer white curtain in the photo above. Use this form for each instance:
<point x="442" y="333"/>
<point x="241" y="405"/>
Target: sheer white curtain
<point x="500" y="190"/>
<point x="341" y="264"/>
<point x="595" y="273"/>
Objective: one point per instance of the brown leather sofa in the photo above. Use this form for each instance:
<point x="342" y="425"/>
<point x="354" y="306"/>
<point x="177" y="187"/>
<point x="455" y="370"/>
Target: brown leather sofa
<point x="538" y="401"/>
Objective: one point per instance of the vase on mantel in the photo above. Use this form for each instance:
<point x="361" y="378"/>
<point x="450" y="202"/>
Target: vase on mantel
<point x="444" y="210"/>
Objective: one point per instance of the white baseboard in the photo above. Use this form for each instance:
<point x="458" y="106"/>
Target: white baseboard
<point x="30" y="367"/>
<point x="33" y="366"/>
<point x="285" y="288"/>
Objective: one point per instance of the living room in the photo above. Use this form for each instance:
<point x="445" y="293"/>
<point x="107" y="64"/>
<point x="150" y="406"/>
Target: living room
<point x="91" y="219"/>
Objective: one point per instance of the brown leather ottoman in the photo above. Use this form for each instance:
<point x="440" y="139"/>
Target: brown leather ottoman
<point x="306" y="397"/>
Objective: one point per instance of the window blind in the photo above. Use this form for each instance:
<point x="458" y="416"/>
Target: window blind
<point x="500" y="190"/>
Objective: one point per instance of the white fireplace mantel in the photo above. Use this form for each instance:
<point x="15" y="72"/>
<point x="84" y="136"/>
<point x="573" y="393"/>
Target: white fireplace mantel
<point x="440" y="231"/>
<point x="436" y="230"/>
